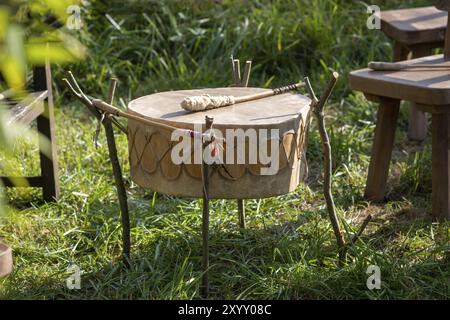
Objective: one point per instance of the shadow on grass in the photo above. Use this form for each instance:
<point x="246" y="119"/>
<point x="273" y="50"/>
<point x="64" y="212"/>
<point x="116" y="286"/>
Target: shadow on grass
<point x="22" y="198"/>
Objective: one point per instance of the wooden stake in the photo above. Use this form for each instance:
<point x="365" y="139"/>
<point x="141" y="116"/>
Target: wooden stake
<point x="243" y="83"/>
<point x="246" y="76"/>
<point x="236" y="72"/>
<point x="205" y="215"/>
<point x="118" y="179"/>
<point x="318" y="106"/>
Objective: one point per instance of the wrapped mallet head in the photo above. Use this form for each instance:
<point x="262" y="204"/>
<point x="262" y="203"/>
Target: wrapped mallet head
<point x="205" y="102"/>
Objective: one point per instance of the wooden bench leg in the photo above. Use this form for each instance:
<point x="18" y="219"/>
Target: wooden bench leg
<point x="400" y="52"/>
<point x="440" y="167"/>
<point x="46" y="128"/>
<point x="417" y="127"/>
<point x="382" y="149"/>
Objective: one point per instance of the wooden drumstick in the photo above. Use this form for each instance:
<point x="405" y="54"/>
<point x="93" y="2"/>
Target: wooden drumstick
<point x="206" y="101"/>
<point x="392" y="66"/>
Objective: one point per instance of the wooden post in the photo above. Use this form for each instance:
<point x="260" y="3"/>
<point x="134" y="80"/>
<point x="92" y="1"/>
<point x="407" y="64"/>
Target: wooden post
<point x="382" y="149"/>
<point x="46" y="127"/>
<point x="246" y="76"/>
<point x="204" y="290"/>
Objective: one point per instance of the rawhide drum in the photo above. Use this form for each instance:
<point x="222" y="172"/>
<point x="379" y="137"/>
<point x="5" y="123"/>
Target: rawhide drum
<point x="262" y="153"/>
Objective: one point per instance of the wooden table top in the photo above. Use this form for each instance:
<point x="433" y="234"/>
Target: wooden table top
<point x="165" y="106"/>
<point x="415" y="25"/>
<point x="429" y="86"/>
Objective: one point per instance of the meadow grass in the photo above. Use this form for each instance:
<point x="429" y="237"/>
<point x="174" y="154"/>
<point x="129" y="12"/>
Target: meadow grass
<point x="288" y="250"/>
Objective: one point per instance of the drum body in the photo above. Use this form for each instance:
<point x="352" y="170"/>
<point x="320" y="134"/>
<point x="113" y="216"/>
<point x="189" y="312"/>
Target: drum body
<point x="255" y="131"/>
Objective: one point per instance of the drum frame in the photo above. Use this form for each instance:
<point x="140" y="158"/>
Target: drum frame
<point x="107" y="118"/>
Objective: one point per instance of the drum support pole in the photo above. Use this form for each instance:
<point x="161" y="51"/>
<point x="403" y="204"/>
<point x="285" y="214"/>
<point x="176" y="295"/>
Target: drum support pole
<point x="204" y="290"/>
<point x="240" y="82"/>
<point x="241" y="211"/>
<point x="118" y="179"/>
<point x="121" y="192"/>
<point x="107" y="121"/>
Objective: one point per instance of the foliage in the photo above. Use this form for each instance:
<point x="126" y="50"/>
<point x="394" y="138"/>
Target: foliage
<point x="26" y="39"/>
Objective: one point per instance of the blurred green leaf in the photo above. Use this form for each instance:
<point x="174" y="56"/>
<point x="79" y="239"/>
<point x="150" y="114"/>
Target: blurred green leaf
<point x="13" y="71"/>
<point x="37" y="53"/>
<point x="4" y="21"/>
<point x="57" y="7"/>
<point x="41" y="42"/>
<point x="14" y="43"/>
<point x="5" y="137"/>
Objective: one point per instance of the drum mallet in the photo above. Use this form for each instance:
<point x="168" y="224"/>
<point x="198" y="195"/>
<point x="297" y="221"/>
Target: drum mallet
<point x="206" y="101"/>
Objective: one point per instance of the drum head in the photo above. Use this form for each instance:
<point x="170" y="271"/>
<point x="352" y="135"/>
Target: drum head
<point x="165" y="107"/>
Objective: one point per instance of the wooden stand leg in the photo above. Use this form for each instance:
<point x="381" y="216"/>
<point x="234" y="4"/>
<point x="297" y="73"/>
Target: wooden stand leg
<point x="121" y="192"/>
<point x="382" y="149"/>
<point x="73" y="86"/>
<point x="120" y="185"/>
<point x="441" y="167"/>
<point x="241" y="212"/>
<point x="205" y="238"/>
<point x="46" y="128"/>
<point x="238" y="82"/>
<point x="204" y="290"/>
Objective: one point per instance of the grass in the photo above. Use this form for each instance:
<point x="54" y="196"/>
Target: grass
<point x="288" y="250"/>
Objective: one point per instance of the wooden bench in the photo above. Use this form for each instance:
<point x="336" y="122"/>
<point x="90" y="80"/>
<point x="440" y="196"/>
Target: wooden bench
<point x="415" y="33"/>
<point x="38" y="105"/>
<point x="430" y="90"/>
